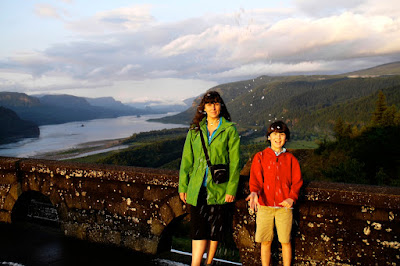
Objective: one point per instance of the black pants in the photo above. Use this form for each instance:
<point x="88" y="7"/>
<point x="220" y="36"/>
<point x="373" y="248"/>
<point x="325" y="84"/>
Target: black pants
<point x="208" y="222"/>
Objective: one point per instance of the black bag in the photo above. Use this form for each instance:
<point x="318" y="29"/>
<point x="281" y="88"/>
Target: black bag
<point x="219" y="172"/>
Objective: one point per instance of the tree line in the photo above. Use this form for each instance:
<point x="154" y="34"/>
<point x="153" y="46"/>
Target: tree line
<point x="368" y="154"/>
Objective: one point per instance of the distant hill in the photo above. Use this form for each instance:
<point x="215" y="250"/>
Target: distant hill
<point x="13" y="128"/>
<point x="57" y="109"/>
<point x="112" y="104"/>
<point x="309" y="104"/>
<point x="162" y="107"/>
<point x="381" y="70"/>
<point x="64" y="100"/>
<point x="16" y="99"/>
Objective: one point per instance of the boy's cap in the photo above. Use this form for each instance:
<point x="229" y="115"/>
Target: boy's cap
<point x="279" y="126"/>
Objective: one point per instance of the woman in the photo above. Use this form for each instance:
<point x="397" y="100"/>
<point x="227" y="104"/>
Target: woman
<point x="196" y="186"/>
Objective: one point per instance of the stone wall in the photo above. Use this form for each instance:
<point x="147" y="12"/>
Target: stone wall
<point x="123" y="206"/>
<point x="335" y="224"/>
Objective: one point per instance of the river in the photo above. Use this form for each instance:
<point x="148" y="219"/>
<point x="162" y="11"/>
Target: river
<point x="69" y="135"/>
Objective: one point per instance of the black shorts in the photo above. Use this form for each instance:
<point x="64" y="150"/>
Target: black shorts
<point x="208" y="222"/>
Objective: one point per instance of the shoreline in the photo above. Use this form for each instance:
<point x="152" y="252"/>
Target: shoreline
<point x="83" y="149"/>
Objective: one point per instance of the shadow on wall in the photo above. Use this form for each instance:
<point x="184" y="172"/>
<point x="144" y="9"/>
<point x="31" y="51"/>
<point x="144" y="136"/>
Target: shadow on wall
<point x="33" y="206"/>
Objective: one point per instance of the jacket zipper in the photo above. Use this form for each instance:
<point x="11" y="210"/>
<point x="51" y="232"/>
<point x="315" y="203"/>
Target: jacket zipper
<point x="276" y="166"/>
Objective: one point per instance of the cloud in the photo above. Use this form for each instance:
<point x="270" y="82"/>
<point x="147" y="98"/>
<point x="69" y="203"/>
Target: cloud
<point x="315" y="8"/>
<point x="49" y="11"/>
<point x="117" y="20"/>
<point x="121" y="48"/>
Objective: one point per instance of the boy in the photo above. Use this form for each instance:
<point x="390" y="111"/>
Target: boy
<point x="275" y="182"/>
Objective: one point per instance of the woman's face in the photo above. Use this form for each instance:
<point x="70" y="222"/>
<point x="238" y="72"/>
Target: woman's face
<point x="212" y="109"/>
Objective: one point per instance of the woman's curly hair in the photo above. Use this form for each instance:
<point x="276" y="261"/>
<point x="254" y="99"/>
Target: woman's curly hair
<point x="209" y="97"/>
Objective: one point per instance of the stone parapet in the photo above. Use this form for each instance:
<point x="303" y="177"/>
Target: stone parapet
<point x="335" y="224"/>
<point x="124" y="206"/>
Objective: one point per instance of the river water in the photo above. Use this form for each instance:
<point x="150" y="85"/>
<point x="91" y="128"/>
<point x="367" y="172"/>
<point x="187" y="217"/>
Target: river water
<point x="69" y="135"/>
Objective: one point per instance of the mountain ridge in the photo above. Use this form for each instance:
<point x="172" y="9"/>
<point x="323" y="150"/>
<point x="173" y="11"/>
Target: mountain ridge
<point x="392" y="68"/>
<point x="62" y="108"/>
<point x="306" y="103"/>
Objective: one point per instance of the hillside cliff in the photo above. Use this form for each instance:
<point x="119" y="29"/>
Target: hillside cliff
<point x="13" y="128"/>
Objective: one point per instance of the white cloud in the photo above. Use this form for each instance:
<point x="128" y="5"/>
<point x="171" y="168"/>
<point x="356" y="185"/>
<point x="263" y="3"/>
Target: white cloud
<point x="127" y="69"/>
<point x="326" y="8"/>
<point x="259" y="69"/>
<point x="50" y="11"/>
<point x="117" y="20"/>
<point x="44" y="10"/>
<point x="120" y="51"/>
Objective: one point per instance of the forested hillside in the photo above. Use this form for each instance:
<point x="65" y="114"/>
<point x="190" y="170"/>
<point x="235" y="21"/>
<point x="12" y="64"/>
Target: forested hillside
<point x="369" y="155"/>
<point x="309" y="104"/>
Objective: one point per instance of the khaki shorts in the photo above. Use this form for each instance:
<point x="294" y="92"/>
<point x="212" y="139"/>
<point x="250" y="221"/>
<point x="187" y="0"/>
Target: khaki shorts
<point x="267" y="217"/>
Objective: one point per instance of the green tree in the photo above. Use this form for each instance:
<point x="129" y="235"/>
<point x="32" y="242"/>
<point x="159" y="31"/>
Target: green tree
<point x="380" y="108"/>
<point x="341" y="129"/>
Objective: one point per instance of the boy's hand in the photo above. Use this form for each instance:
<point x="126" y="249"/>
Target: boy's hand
<point x="183" y="196"/>
<point x="287" y="203"/>
<point x="253" y="198"/>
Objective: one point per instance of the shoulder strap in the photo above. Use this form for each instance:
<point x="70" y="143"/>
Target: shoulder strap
<point x="204" y="148"/>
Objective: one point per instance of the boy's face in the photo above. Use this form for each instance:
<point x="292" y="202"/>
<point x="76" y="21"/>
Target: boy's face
<point x="277" y="140"/>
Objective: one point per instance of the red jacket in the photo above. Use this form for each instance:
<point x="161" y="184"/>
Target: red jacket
<point x="275" y="178"/>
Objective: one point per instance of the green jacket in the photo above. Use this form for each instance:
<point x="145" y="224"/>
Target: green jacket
<point x="224" y="149"/>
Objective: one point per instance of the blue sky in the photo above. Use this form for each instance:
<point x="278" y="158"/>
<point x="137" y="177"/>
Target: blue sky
<point x="167" y="51"/>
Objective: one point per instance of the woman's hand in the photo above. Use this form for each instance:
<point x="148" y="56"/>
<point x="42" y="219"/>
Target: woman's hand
<point x="253" y="198"/>
<point x="229" y="198"/>
<point x="183" y="196"/>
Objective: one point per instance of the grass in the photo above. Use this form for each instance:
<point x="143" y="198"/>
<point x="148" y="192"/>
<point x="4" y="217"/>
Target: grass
<point x="91" y="158"/>
<point x="301" y="144"/>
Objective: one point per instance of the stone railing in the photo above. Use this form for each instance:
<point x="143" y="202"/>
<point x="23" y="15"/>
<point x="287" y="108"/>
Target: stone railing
<point x="124" y="206"/>
<point x="335" y="224"/>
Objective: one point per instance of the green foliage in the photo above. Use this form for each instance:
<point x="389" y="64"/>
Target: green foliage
<point x="383" y="115"/>
<point x="368" y="156"/>
<point x="341" y="130"/>
<point x="156" y="134"/>
<point x="149" y="155"/>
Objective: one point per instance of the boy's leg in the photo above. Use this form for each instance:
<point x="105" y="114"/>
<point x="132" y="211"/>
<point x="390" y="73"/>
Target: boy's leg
<point x="212" y="248"/>
<point x="265" y="232"/>
<point x="266" y="253"/>
<point x="286" y="254"/>
<point x="283" y="222"/>
<point x="198" y="249"/>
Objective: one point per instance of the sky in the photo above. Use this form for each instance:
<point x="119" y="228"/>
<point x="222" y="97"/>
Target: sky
<point x="167" y="51"/>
